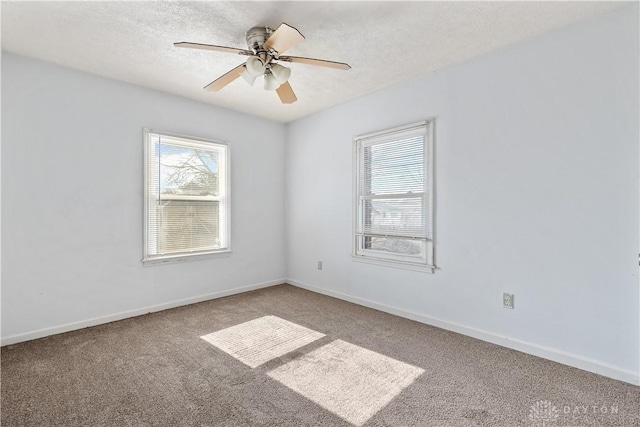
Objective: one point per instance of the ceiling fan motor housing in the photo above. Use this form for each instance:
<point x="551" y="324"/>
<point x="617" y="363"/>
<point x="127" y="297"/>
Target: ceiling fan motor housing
<point x="256" y="36"/>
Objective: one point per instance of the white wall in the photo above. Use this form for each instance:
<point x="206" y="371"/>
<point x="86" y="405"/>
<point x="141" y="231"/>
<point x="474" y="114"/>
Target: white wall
<point x="536" y="151"/>
<point x="72" y="199"/>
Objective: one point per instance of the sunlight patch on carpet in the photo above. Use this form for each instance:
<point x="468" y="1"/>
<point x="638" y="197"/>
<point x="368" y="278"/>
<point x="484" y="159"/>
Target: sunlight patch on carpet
<point x="350" y="381"/>
<point x="261" y="340"/>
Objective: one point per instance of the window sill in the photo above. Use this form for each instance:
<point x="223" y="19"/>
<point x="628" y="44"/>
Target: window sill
<point x="424" y="268"/>
<point x="185" y="258"/>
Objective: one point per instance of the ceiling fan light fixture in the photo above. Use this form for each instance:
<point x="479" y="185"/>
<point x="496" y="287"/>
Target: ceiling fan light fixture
<point x="270" y="82"/>
<point x="249" y="78"/>
<point x="255" y="66"/>
<point x="281" y="73"/>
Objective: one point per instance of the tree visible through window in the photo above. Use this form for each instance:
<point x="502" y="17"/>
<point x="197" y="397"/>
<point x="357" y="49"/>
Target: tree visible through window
<point x="394" y="195"/>
<point x="186" y="197"/>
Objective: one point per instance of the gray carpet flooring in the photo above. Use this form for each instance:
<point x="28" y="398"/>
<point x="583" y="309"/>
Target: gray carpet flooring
<point x="155" y="370"/>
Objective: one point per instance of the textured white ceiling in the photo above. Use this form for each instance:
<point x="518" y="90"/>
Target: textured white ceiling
<point x="384" y="42"/>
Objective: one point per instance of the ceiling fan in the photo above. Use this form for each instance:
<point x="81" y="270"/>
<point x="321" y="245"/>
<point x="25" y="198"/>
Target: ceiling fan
<point x="264" y="49"/>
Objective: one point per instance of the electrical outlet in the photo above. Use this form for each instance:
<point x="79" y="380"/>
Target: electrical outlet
<point x="507" y="300"/>
<point x="319" y="265"/>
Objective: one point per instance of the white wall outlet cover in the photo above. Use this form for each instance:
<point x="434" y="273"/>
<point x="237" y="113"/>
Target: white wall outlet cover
<point x="507" y="300"/>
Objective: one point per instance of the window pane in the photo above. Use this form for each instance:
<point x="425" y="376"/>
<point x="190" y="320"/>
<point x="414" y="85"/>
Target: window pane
<point x="188" y="171"/>
<point x="394" y="245"/>
<point x="395" y="167"/>
<point x="399" y="217"/>
<point x="187" y="226"/>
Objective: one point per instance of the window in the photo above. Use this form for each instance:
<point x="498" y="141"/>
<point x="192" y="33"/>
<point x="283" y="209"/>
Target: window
<point x="186" y="197"/>
<point x="394" y="196"/>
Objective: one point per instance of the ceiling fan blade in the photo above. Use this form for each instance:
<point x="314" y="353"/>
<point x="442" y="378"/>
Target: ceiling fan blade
<point x="213" y="47"/>
<point x="312" y="61"/>
<point x="283" y="38"/>
<point x="225" y="79"/>
<point x="286" y="93"/>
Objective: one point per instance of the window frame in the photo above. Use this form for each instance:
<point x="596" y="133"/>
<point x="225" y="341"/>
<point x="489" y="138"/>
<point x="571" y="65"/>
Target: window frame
<point x="424" y="262"/>
<point x="225" y="202"/>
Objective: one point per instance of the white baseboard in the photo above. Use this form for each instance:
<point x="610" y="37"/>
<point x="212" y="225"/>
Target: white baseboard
<point x="40" y="333"/>
<point x="555" y="355"/>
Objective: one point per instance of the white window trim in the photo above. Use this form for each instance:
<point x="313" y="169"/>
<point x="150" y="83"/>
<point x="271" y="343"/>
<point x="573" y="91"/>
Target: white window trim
<point x="195" y="255"/>
<point x="390" y="260"/>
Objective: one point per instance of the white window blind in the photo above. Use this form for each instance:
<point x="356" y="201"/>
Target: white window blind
<point x="186" y="197"/>
<point x="393" y="195"/>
